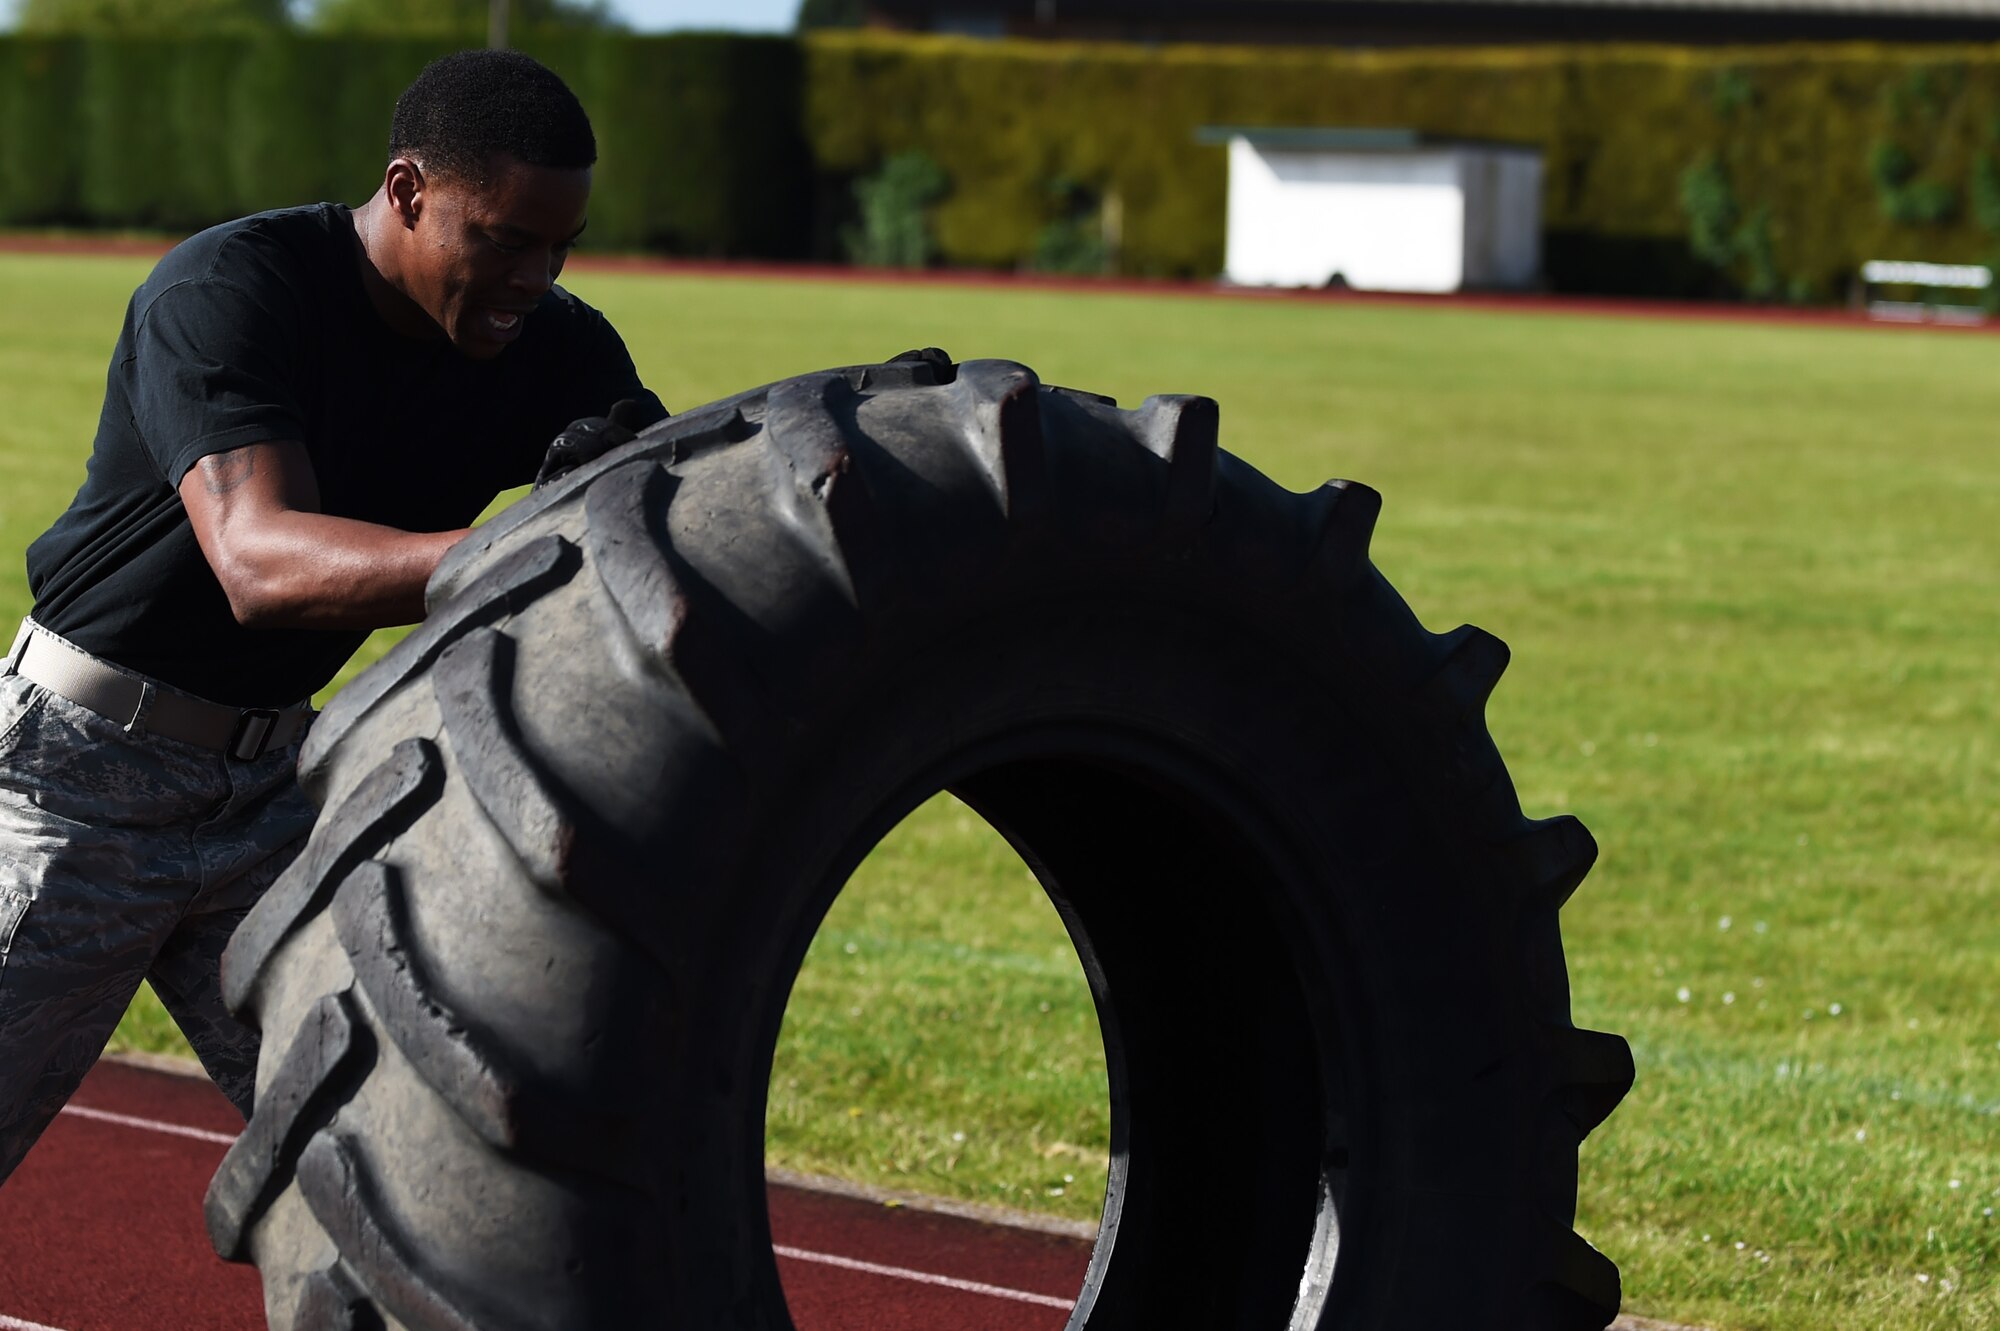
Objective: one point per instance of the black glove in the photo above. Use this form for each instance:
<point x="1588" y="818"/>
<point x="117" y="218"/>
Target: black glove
<point x="588" y="440"/>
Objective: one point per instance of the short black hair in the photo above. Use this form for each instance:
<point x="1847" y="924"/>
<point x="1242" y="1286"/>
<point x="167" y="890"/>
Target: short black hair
<point x="469" y="107"/>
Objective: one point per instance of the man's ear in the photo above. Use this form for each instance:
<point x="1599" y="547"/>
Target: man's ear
<point x="403" y="184"/>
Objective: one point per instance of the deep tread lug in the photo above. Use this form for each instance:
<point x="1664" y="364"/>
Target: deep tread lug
<point x="927" y="367"/>
<point x="504" y="589"/>
<point x="1474" y="660"/>
<point x="256" y="1167"/>
<point x="935" y="356"/>
<point x="371" y="921"/>
<point x="332" y="1300"/>
<point x="628" y="545"/>
<point x="1552" y="857"/>
<point x="525" y="806"/>
<point x="489" y="1087"/>
<point x="624" y="536"/>
<point x="341" y="1192"/>
<point x="1186" y="431"/>
<point x="1595" y="1070"/>
<point x="1347" y="525"/>
<point x="819" y="491"/>
<point x="718" y="429"/>
<point x="388" y="800"/>
<point x="516" y="797"/>
<point x="1584" y="1290"/>
<point x="1004" y="402"/>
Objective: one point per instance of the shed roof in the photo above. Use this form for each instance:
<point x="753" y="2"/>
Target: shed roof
<point x="1328" y="138"/>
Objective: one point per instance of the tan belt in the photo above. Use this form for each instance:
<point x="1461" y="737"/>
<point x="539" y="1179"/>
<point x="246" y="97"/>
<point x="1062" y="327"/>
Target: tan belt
<point x="143" y="707"/>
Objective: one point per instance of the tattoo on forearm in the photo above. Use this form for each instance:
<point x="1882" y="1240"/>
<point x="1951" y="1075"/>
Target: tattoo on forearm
<point x="227" y="472"/>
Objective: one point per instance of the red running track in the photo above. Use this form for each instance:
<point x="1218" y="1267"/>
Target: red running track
<point x="101" y="1230"/>
<point x="1630" y="307"/>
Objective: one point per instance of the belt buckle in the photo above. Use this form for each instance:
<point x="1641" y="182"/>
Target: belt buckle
<point x="254" y="728"/>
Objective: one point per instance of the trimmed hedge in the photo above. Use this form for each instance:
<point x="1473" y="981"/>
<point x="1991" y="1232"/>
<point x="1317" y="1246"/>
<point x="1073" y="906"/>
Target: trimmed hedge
<point x="699" y="144"/>
<point x="180" y="133"/>
<point x="1006" y="119"/>
<point x="1774" y="170"/>
<point x="40" y="85"/>
<point x="1788" y="131"/>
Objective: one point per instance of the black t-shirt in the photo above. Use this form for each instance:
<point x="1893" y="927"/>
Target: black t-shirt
<point x="260" y="331"/>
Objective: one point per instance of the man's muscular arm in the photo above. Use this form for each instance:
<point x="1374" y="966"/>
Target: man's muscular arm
<point x="284" y="564"/>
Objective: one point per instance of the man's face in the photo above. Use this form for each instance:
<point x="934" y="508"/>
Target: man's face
<point x="487" y="251"/>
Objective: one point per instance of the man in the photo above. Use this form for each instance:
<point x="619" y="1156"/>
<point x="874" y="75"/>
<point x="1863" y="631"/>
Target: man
<point x="304" y="411"/>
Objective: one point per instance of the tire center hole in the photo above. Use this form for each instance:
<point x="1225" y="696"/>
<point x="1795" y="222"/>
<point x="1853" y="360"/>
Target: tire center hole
<point x="940" y="1042"/>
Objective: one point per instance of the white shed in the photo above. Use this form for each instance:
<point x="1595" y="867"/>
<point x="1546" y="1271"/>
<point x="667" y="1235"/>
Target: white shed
<point x="1380" y="210"/>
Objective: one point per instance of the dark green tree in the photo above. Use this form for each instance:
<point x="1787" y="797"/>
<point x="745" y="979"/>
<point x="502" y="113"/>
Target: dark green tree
<point x="831" y="14"/>
<point x="465" y="19"/>
<point x="151" y="17"/>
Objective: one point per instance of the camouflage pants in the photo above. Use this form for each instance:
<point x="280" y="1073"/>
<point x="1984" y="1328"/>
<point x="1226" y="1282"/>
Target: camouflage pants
<point x="122" y="857"/>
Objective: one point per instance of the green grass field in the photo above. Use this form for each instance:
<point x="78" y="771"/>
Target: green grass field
<point x="1749" y="576"/>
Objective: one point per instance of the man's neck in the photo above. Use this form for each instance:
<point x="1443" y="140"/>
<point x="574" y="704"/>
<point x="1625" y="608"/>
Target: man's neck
<point x="378" y="235"/>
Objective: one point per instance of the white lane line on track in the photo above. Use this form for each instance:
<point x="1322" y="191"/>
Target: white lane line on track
<point x="22" y="1324"/>
<point x="796" y="1254"/>
<point x="924" y="1278"/>
<point x="149" y="1125"/>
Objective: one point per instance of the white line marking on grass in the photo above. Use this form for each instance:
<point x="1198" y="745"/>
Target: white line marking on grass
<point x="22" y="1324"/>
<point x="924" y="1278"/>
<point x="148" y="1125"/>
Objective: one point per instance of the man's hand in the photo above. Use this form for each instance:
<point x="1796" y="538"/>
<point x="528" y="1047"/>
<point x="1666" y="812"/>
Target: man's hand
<point x="283" y="563"/>
<point x="588" y="440"/>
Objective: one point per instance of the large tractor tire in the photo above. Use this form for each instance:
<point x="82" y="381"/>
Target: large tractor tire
<point x="520" y="994"/>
